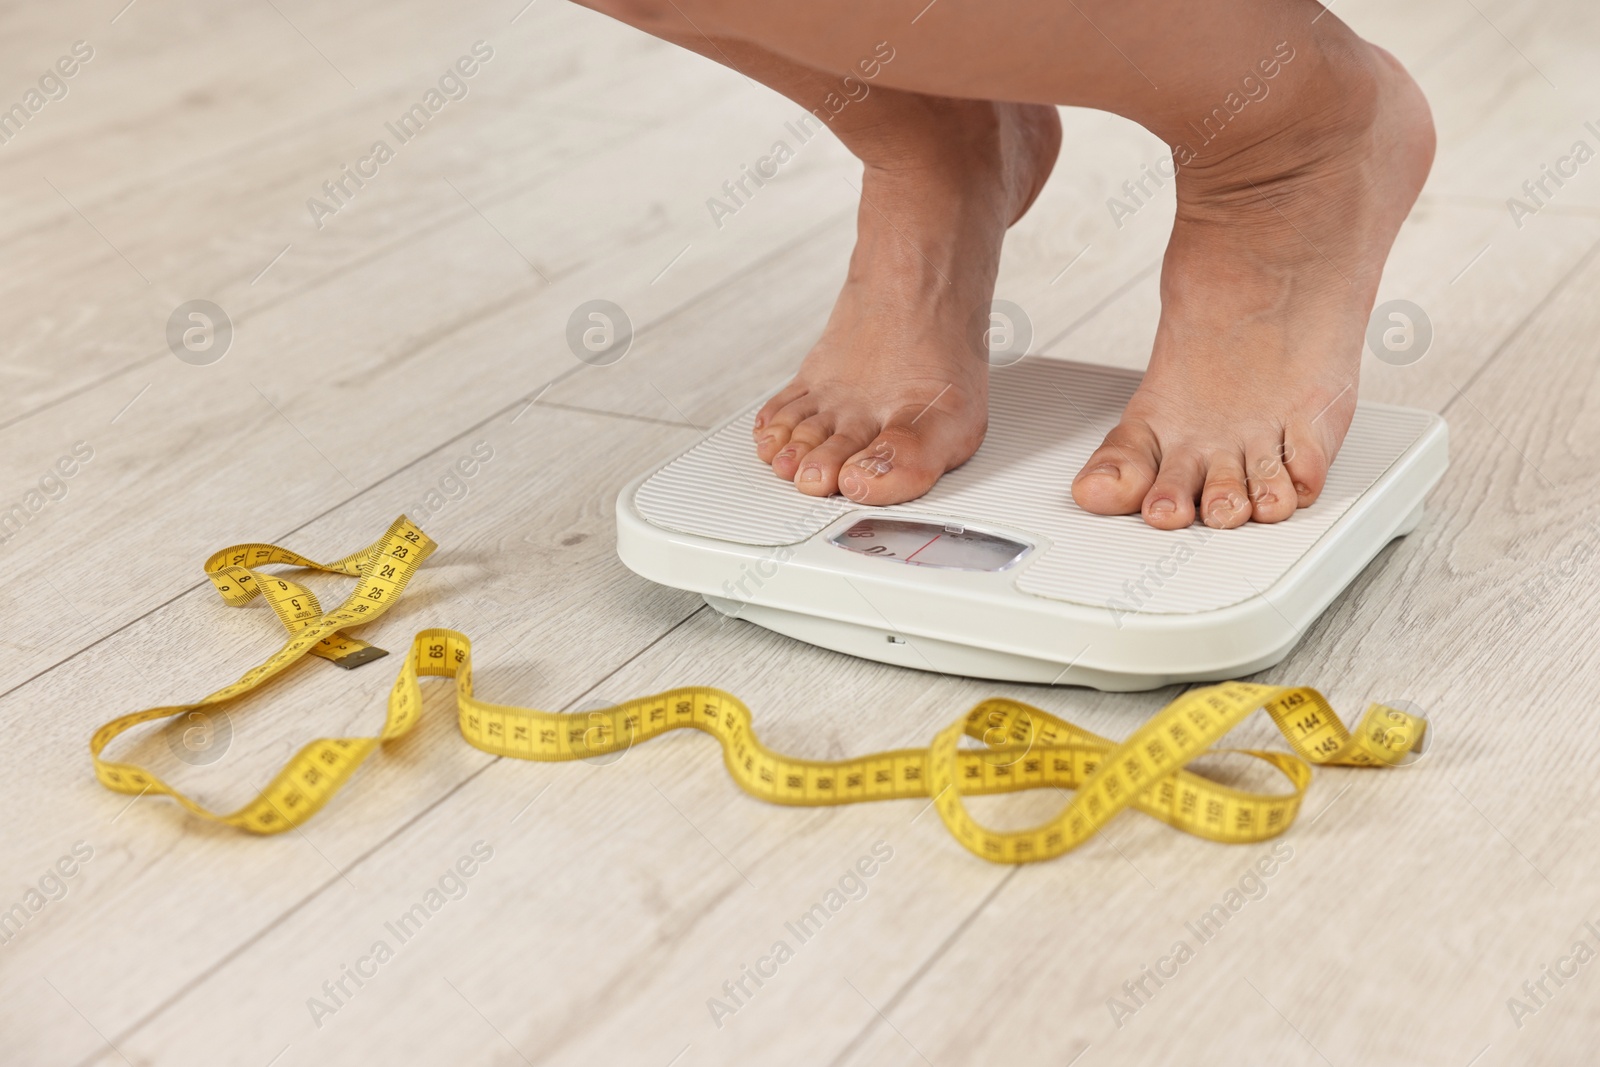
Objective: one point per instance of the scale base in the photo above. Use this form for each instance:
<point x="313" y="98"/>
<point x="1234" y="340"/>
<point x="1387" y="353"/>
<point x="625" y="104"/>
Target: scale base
<point x="1100" y="601"/>
<point x="947" y="657"/>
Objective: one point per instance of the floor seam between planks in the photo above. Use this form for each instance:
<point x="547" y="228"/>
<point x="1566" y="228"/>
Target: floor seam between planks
<point x="618" y="415"/>
<point x="444" y="221"/>
<point x="1516" y="332"/>
<point x="922" y="969"/>
<point x="331" y="509"/>
<point x="185" y="988"/>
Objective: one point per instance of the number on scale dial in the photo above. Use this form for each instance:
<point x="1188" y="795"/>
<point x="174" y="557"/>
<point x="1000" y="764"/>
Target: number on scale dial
<point x="930" y="544"/>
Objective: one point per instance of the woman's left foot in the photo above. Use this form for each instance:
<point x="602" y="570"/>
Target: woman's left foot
<point x="1268" y="282"/>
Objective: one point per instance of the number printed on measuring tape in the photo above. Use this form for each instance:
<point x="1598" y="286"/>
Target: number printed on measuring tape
<point x="1024" y="747"/>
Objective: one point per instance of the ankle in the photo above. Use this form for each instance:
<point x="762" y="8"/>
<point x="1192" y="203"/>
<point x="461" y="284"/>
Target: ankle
<point x="1324" y="103"/>
<point x="914" y="132"/>
<point x="935" y="196"/>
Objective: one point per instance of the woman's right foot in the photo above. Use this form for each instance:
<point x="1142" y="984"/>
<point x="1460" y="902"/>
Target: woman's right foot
<point x="895" y="392"/>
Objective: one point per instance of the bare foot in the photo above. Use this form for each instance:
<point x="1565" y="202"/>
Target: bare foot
<point x="895" y="392"/>
<point x="1269" y="277"/>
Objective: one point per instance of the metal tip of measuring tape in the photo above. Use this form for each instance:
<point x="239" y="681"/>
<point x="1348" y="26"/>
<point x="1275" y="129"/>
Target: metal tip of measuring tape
<point x="360" y="656"/>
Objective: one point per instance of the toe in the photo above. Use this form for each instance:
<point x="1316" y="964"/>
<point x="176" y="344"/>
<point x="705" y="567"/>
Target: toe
<point x="1119" y="475"/>
<point x="776" y="428"/>
<point x="1306" y="458"/>
<point x="819" y="469"/>
<point x="894" y="468"/>
<point x="781" y="399"/>
<point x="1170" y="503"/>
<point x="802" y="439"/>
<point x="1272" y="492"/>
<point x="1225" y="500"/>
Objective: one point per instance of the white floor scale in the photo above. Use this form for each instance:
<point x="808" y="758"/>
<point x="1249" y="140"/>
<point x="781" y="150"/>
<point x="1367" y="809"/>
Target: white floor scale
<point x="996" y="573"/>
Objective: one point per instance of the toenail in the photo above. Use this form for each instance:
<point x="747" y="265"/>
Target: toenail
<point x="787" y="453"/>
<point x="875" y="466"/>
<point x="1163" y="506"/>
<point x="1225" y="505"/>
<point x="811" y="474"/>
<point x="760" y="421"/>
<point x="1301" y="489"/>
<point x="1103" y="468"/>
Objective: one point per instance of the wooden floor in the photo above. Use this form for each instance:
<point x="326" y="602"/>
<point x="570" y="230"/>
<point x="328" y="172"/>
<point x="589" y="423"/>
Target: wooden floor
<point x="425" y="319"/>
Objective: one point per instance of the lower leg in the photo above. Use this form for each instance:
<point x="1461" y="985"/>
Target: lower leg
<point x="1300" y="148"/>
<point x="893" y="394"/>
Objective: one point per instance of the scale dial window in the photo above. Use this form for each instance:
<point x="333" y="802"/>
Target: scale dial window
<point x="930" y="544"/>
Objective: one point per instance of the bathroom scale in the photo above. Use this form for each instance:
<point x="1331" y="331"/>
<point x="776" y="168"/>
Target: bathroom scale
<point x="996" y="573"/>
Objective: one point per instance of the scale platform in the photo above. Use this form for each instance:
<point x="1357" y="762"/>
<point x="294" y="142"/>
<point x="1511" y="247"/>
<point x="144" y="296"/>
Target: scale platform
<point x="996" y="573"/>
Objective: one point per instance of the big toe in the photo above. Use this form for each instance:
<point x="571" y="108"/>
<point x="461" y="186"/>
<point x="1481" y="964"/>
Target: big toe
<point x="1118" y="476"/>
<point x="900" y="464"/>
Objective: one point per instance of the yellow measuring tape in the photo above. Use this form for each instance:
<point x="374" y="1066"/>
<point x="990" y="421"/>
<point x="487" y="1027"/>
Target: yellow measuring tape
<point x="1023" y="747"/>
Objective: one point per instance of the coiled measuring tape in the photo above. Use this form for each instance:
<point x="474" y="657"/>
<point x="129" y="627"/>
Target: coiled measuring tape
<point x="1022" y="746"/>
